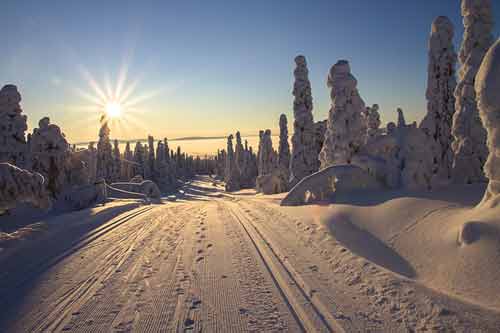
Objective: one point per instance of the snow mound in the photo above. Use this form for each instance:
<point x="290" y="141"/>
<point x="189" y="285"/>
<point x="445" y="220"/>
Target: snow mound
<point x="329" y="181"/>
<point x="19" y="185"/>
<point x="430" y="236"/>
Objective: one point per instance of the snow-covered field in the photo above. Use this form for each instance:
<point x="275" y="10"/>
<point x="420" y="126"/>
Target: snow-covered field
<point x="213" y="262"/>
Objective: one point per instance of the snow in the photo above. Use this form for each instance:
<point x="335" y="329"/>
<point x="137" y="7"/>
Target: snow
<point x="379" y="261"/>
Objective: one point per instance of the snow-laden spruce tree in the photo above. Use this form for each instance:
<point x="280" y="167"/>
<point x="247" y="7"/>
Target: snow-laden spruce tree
<point x="441" y="84"/>
<point x="346" y="127"/>
<point x="487" y="88"/>
<point x="469" y="143"/>
<point x="117" y="163"/>
<point x="372" y="117"/>
<point x="161" y="167"/>
<point x="304" y="157"/>
<point x="232" y="175"/>
<point x="104" y="169"/>
<point x="319" y="136"/>
<point x="149" y="167"/>
<point x="266" y="155"/>
<point x="91" y="160"/>
<point x="127" y="163"/>
<point x="50" y="154"/>
<point x="284" y="149"/>
<point x="13" y="147"/>
<point x="139" y="159"/>
<point x="239" y="152"/>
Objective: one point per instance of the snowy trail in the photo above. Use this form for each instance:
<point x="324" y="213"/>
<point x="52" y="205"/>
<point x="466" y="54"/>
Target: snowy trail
<point x="185" y="266"/>
<point x="216" y="262"/>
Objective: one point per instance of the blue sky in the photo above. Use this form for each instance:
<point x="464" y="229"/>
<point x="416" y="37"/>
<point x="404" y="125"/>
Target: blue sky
<point x="211" y="67"/>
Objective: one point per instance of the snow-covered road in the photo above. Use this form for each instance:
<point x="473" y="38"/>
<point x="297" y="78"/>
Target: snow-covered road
<point x="196" y="264"/>
<point x="212" y="262"/>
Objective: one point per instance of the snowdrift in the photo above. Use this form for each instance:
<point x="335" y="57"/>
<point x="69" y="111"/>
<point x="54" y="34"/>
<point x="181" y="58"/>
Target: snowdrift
<point x="438" y="238"/>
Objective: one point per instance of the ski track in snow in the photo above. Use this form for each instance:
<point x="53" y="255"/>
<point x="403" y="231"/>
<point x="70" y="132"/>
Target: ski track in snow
<point x="232" y="263"/>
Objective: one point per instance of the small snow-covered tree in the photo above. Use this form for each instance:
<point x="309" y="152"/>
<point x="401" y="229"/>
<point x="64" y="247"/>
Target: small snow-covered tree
<point x="266" y="155"/>
<point x="441" y="84"/>
<point x="232" y="176"/>
<point x="373" y="122"/>
<point x="149" y="167"/>
<point x="304" y="160"/>
<point x="104" y="153"/>
<point x="239" y="152"/>
<point x="91" y="160"/>
<point x="469" y="145"/>
<point x="139" y="159"/>
<point x="50" y="154"/>
<point x="117" y="163"/>
<point x="319" y="135"/>
<point x="284" y="148"/>
<point x="346" y="127"/>
<point x="487" y="88"/>
<point x="13" y="147"/>
<point x="127" y="167"/>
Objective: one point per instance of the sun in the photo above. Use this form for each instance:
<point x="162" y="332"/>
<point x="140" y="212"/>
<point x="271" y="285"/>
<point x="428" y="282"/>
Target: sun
<point x="113" y="110"/>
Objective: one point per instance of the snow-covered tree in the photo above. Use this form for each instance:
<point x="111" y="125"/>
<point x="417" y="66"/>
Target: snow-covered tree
<point x="319" y="135"/>
<point x="13" y="147"/>
<point x="304" y="157"/>
<point x="239" y="152"/>
<point x="346" y="127"/>
<point x="149" y="168"/>
<point x="91" y="160"/>
<point x="373" y="122"/>
<point x="441" y="84"/>
<point x="284" y="148"/>
<point x="50" y="153"/>
<point x="117" y="163"/>
<point x="487" y="88"/>
<point x="104" y="153"/>
<point x="232" y="176"/>
<point x="139" y="159"/>
<point x="266" y="155"/>
<point x="161" y="177"/>
<point x="127" y="168"/>
<point x="469" y="143"/>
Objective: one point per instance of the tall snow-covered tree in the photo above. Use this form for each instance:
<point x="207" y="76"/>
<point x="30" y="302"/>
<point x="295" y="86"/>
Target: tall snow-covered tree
<point x="487" y="88"/>
<point x="104" y="169"/>
<point x="441" y="84"/>
<point x="346" y="126"/>
<point x="266" y="155"/>
<point x="232" y="176"/>
<point x="13" y="147"/>
<point x="149" y="163"/>
<point x="469" y="145"/>
<point x="92" y="162"/>
<point x="284" y="147"/>
<point x="139" y="159"/>
<point x="117" y="163"/>
<point x="304" y="158"/>
<point x="50" y="153"/>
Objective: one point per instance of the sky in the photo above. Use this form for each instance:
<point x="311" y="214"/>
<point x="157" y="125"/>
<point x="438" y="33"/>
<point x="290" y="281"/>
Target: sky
<point x="208" y="68"/>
